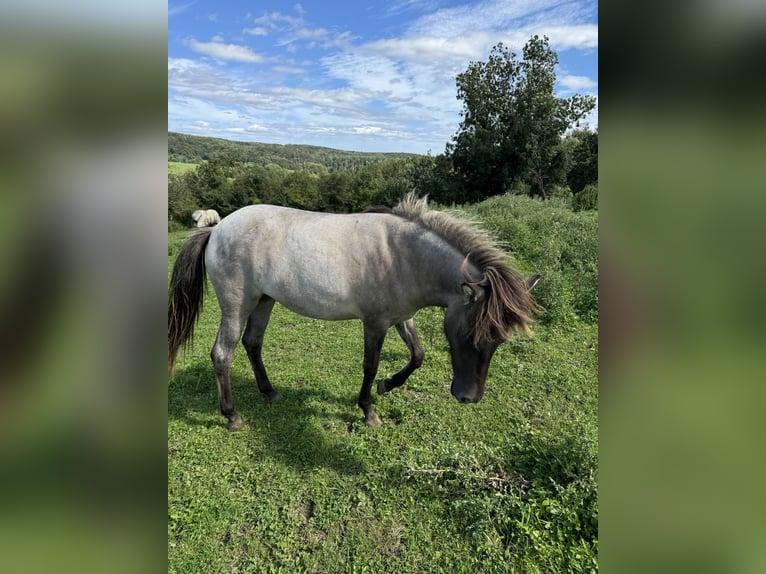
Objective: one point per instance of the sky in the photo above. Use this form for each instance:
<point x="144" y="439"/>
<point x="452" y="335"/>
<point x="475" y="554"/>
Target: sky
<point x="374" y="76"/>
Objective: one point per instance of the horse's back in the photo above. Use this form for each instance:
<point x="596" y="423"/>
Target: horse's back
<point x="328" y="266"/>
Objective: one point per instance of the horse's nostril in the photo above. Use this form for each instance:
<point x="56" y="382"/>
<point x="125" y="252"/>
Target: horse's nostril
<point x="464" y="400"/>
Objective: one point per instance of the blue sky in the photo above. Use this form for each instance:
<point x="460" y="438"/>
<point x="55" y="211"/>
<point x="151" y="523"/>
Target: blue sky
<point x="363" y="76"/>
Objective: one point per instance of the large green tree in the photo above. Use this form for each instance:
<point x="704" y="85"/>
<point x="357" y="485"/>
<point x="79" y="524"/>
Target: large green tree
<point x="512" y="122"/>
<point x="583" y="161"/>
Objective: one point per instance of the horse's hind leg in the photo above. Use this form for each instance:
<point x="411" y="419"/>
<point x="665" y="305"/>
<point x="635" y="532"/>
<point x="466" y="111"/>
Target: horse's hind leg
<point x="222" y="355"/>
<point x="253" y="343"/>
<point x="409" y="335"/>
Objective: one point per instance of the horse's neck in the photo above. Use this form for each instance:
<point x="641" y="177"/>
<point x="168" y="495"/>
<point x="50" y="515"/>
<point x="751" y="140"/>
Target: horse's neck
<point x="436" y="266"/>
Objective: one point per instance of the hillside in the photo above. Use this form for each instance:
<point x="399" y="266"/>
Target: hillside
<point x="194" y="149"/>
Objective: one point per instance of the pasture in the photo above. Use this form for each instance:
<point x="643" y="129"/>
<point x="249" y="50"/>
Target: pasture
<point x="505" y="485"/>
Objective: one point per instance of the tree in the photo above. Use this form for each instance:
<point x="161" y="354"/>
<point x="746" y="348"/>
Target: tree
<point x="435" y="176"/>
<point x="336" y="192"/>
<point x="301" y="190"/>
<point x="180" y="200"/>
<point x="211" y="185"/>
<point x="512" y="122"/>
<point x="583" y="163"/>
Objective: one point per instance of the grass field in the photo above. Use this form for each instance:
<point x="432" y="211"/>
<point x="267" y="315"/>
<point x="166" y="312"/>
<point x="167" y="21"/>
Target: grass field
<point x="506" y="485"/>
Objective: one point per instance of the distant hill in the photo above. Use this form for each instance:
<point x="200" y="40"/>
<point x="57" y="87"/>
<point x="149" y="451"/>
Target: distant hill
<point x="195" y="149"/>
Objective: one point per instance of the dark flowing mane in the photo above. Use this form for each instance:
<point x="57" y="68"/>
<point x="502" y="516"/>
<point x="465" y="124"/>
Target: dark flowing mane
<point x="507" y="304"/>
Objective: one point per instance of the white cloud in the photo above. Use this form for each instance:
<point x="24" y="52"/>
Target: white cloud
<point x="291" y="29"/>
<point x="460" y="50"/>
<point x="176" y="9"/>
<point x="370" y="74"/>
<point x="494" y="15"/>
<point x="182" y="64"/>
<point x="469" y="31"/>
<point x="294" y="70"/>
<point x="580" y="37"/>
<point x="307" y="33"/>
<point x="275" y="19"/>
<point x="577" y="83"/>
<point x="399" y="6"/>
<point x="432" y="49"/>
<point x="194" y="78"/>
<point x="227" y="52"/>
<point x="367" y="130"/>
<point x="257" y="31"/>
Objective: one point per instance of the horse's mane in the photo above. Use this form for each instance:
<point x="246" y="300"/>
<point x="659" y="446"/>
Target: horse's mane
<point x="507" y="304"/>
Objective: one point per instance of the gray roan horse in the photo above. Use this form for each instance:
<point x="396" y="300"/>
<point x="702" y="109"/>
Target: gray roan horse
<point x="380" y="266"/>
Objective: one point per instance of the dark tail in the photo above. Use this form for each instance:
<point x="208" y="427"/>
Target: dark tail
<point x="186" y="291"/>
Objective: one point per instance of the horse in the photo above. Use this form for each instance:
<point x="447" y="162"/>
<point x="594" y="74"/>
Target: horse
<point x="206" y="217"/>
<point x="380" y="266"/>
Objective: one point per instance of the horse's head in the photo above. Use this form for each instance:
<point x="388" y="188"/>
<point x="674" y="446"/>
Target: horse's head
<point x="492" y="308"/>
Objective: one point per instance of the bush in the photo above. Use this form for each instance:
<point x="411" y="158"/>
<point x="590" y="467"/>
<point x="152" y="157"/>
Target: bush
<point x="521" y="188"/>
<point x="563" y="193"/>
<point x="586" y="199"/>
<point x="548" y="238"/>
<point x="176" y="226"/>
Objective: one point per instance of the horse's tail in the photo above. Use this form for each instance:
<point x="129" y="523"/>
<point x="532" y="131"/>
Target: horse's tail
<point x="186" y="291"/>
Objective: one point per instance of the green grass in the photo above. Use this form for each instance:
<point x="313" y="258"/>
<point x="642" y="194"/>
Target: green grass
<point x="506" y="485"/>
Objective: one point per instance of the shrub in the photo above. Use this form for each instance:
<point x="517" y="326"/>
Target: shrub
<point x="548" y="238"/>
<point x="563" y="193"/>
<point x="586" y="199"/>
<point x="521" y="188"/>
<point x="176" y="226"/>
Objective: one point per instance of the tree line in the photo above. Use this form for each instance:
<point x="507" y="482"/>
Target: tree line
<point x="226" y="185"/>
<point x="515" y="137"/>
<point x="196" y="149"/>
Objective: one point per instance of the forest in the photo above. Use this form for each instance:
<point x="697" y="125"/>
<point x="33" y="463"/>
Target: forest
<point x="185" y="148"/>
<point x="225" y="184"/>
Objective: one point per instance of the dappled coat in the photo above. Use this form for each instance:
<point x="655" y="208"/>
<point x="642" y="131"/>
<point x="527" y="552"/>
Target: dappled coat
<point x="206" y="217"/>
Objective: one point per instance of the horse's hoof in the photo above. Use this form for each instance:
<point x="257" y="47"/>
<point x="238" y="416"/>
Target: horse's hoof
<point x="235" y="424"/>
<point x="372" y="420"/>
<point x="383" y="386"/>
<point x="274" y="396"/>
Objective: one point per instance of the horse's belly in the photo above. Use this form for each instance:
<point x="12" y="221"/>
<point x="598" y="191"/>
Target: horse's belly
<point x="315" y="295"/>
<point x="318" y="311"/>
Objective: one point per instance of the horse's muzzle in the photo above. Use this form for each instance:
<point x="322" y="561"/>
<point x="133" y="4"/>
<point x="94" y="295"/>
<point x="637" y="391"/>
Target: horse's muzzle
<point x="467" y="396"/>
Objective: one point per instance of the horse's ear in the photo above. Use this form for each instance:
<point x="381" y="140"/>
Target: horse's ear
<point x="472" y="292"/>
<point x="530" y="282"/>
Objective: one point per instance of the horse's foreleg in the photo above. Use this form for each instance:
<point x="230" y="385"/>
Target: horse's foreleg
<point x="409" y="335"/>
<point x="373" y="343"/>
<point x="222" y="356"/>
<point x="252" y="340"/>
